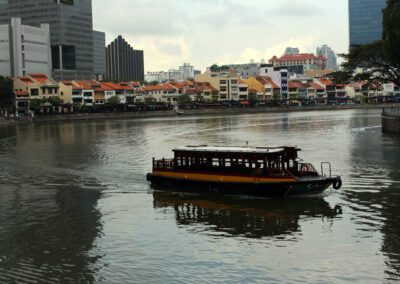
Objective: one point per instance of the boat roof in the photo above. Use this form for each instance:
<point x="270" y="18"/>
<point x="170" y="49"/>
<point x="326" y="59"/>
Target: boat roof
<point x="234" y="149"/>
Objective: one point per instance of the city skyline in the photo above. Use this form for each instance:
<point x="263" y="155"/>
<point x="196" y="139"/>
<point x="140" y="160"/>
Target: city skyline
<point x="223" y="32"/>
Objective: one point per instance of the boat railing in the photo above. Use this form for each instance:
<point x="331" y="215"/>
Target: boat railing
<point x="325" y="173"/>
<point x="164" y="164"/>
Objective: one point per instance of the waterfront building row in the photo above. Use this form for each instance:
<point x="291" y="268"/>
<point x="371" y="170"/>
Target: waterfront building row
<point x="207" y="87"/>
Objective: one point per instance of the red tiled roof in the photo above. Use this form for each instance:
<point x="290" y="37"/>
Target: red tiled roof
<point x="26" y="80"/>
<point x="42" y="78"/>
<point x="266" y="80"/>
<point x="83" y="85"/>
<point x="106" y="87"/>
<point x="241" y="82"/>
<point x="326" y="82"/>
<point x="21" y="93"/>
<point x="293" y="84"/>
<point x="300" y="56"/>
<point x="111" y="86"/>
<point x="125" y="86"/>
<point x="69" y="84"/>
<point x="93" y="83"/>
<point x="206" y="86"/>
<point x="316" y="86"/>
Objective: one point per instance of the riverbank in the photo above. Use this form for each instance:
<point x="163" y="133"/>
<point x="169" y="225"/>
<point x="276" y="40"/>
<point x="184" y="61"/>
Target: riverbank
<point x="391" y="120"/>
<point x="192" y="112"/>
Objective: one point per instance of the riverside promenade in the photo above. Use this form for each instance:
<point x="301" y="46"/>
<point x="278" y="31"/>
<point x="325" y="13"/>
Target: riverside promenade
<point x="186" y="112"/>
<point x="391" y="119"/>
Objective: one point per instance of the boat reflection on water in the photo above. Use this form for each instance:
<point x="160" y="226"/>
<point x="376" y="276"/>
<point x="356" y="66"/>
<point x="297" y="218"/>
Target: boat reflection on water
<point x="240" y="216"/>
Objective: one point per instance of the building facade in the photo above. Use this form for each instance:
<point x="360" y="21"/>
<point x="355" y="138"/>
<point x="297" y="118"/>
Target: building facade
<point x="185" y="72"/>
<point x="246" y="70"/>
<point x="124" y="62"/>
<point x="299" y="63"/>
<point x="227" y="83"/>
<point x="99" y="55"/>
<point x="24" y="49"/>
<point x="292" y="50"/>
<point x="278" y="75"/>
<point x="71" y="31"/>
<point x="365" y="19"/>
<point x="330" y="55"/>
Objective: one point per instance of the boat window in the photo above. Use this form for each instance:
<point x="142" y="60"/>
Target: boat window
<point x="215" y="162"/>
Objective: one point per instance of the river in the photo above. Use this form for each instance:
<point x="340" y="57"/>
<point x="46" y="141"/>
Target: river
<point x="75" y="205"/>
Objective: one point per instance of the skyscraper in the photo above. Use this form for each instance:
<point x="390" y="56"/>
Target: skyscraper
<point x="329" y="54"/>
<point x="123" y="62"/>
<point x="71" y="30"/>
<point x="365" y="20"/>
<point x="99" y="55"/>
<point x="292" y="50"/>
<point x="24" y="49"/>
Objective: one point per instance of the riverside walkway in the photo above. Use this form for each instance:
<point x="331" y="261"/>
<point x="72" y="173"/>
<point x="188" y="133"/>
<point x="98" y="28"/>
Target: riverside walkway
<point x="391" y="119"/>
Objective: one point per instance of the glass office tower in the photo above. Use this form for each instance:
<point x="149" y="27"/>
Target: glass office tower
<point x="71" y="29"/>
<point x="365" y="20"/>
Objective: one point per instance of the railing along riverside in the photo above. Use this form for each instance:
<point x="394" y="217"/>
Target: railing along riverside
<point x="392" y="111"/>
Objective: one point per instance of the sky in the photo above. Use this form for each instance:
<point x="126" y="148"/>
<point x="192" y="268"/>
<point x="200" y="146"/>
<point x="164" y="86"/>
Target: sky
<point x="206" y="32"/>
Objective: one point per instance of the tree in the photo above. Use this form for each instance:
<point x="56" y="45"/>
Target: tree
<point x="391" y="32"/>
<point x="6" y="91"/>
<point x="379" y="60"/>
<point x="184" y="99"/>
<point x="252" y="96"/>
<point x="54" y="100"/>
<point x="35" y="103"/>
<point x="114" y="100"/>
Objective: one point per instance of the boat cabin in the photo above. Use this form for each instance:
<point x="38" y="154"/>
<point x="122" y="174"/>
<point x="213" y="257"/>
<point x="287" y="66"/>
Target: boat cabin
<point x="263" y="161"/>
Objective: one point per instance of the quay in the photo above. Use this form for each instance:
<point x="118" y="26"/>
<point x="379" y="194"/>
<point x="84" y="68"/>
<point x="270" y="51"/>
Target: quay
<point x="185" y="112"/>
<point x="391" y="119"/>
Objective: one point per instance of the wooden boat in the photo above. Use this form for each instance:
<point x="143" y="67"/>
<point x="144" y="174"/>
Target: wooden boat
<point x="253" y="171"/>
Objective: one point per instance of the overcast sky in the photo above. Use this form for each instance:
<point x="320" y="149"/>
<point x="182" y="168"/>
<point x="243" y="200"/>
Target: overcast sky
<point x="204" y="32"/>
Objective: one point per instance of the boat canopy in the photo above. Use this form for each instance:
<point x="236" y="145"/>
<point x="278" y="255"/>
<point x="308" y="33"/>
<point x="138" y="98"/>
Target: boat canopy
<point x="246" y="151"/>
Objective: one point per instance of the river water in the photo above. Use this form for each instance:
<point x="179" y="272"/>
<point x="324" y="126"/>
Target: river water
<point x="75" y="205"/>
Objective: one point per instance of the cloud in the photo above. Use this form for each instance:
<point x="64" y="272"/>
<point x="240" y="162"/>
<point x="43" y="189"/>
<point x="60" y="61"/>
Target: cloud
<point x="204" y="32"/>
<point x="297" y="8"/>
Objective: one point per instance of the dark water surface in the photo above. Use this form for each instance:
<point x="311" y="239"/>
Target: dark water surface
<point x="75" y="205"/>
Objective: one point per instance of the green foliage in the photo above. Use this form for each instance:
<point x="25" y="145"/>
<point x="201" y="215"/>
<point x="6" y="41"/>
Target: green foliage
<point x="380" y="60"/>
<point x="391" y="32"/>
<point x="341" y="77"/>
<point x="216" y="68"/>
<point x="35" y="103"/>
<point x="54" y="100"/>
<point x="183" y="99"/>
<point x="252" y="96"/>
<point x="114" y="100"/>
<point x="6" y="91"/>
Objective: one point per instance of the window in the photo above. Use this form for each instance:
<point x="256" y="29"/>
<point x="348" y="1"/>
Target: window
<point x="222" y="82"/>
<point x="34" y="92"/>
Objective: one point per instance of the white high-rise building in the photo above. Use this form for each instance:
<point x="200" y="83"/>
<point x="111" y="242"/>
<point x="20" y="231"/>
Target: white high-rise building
<point x="24" y="49"/>
<point x="182" y="74"/>
<point x="330" y="55"/>
<point x="188" y="71"/>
